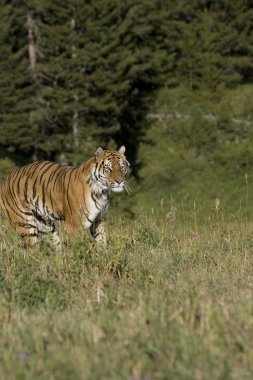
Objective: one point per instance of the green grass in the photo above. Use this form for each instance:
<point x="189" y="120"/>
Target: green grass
<point x="167" y="299"/>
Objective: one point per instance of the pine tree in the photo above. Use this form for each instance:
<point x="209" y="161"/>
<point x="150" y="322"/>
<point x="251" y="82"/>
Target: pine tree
<point x="99" y="64"/>
<point x="15" y="82"/>
<point x="22" y="108"/>
<point x="213" y="43"/>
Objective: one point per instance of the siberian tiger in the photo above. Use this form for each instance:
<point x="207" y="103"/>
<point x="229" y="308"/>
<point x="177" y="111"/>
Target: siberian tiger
<point x="37" y="196"/>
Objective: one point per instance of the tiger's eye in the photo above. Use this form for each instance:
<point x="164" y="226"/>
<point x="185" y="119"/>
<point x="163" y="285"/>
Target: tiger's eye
<point x="108" y="167"/>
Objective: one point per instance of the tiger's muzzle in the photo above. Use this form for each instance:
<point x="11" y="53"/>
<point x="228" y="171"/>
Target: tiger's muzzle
<point x="118" y="186"/>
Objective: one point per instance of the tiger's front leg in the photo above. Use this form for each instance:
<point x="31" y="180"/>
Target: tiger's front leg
<point x="97" y="230"/>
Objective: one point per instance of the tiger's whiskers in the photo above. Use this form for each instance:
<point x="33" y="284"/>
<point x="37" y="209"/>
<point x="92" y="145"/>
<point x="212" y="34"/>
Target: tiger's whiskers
<point x="128" y="187"/>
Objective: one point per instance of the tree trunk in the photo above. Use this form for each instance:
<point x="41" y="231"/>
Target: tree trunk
<point x="75" y="129"/>
<point x="32" y="46"/>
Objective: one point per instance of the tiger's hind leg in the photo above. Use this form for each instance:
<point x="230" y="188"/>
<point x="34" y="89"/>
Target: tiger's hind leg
<point x="56" y="240"/>
<point x="28" y="232"/>
<point x="30" y="241"/>
<point x="46" y="227"/>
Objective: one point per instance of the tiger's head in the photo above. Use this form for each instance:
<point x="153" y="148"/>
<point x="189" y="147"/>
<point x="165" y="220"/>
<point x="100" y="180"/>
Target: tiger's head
<point x="111" y="169"/>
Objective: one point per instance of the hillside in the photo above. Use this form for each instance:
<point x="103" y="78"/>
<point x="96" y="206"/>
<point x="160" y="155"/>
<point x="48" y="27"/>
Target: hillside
<point x="198" y="149"/>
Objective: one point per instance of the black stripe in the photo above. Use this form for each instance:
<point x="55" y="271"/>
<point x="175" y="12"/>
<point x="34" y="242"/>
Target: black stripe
<point x="30" y="169"/>
<point x="15" y="203"/>
<point x="95" y="201"/>
<point x="89" y="220"/>
<point x="26" y="169"/>
<point x="45" y="171"/>
<point x="37" y="164"/>
<point x="34" y="188"/>
<point x="57" y="176"/>
<point x="67" y="191"/>
<point x="52" y="215"/>
<point x="6" y="210"/>
<point x="76" y="173"/>
<point x="25" y="225"/>
<point x="97" y="169"/>
<point x="19" y="179"/>
<point x="30" y="235"/>
<point x="40" y="218"/>
<point x="15" y="212"/>
<point x="15" y="174"/>
<point x="25" y="190"/>
<point x="43" y="196"/>
<point x="52" y="175"/>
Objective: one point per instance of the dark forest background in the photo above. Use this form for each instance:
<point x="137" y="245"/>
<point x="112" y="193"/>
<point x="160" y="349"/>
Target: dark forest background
<point x="171" y="80"/>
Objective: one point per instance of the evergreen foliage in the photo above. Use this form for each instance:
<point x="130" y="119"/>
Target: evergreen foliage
<point x="78" y="74"/>
<point x="95" y="66"/>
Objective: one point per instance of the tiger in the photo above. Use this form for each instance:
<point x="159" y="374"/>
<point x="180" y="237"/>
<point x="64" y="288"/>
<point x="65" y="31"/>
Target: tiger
<point x="36" y="197"/>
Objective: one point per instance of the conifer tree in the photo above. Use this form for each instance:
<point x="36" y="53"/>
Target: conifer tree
<point x="22" y="111"/>
<point x="98" y="73"/>
<point x="77" y="74"/>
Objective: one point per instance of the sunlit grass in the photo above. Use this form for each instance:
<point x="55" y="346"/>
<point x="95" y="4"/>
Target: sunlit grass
<point x="166" y="300"/>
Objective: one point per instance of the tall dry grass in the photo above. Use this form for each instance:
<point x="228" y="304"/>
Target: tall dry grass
<point x="168" y="299"/>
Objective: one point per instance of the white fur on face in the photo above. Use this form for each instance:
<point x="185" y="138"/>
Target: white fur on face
<point x="118" y="189"/>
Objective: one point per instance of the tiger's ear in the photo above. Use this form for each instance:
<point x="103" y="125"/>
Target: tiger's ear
<point x="99" y="153"/>
<point x="122" y="149"/>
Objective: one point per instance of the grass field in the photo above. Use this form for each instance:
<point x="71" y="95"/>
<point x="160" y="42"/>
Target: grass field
<point x="170" y="298"/>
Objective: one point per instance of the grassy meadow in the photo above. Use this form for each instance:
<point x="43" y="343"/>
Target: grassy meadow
<point x="170" y="298"/>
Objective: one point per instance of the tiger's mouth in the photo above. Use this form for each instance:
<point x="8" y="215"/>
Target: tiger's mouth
<point x="118" y="187"/>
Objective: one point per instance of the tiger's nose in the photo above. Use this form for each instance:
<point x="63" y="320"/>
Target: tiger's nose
<point x="118" y="181"/>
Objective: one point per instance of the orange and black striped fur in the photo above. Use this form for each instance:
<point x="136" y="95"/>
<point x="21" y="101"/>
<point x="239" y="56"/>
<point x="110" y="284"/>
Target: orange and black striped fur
<point x="37" y="196"/>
